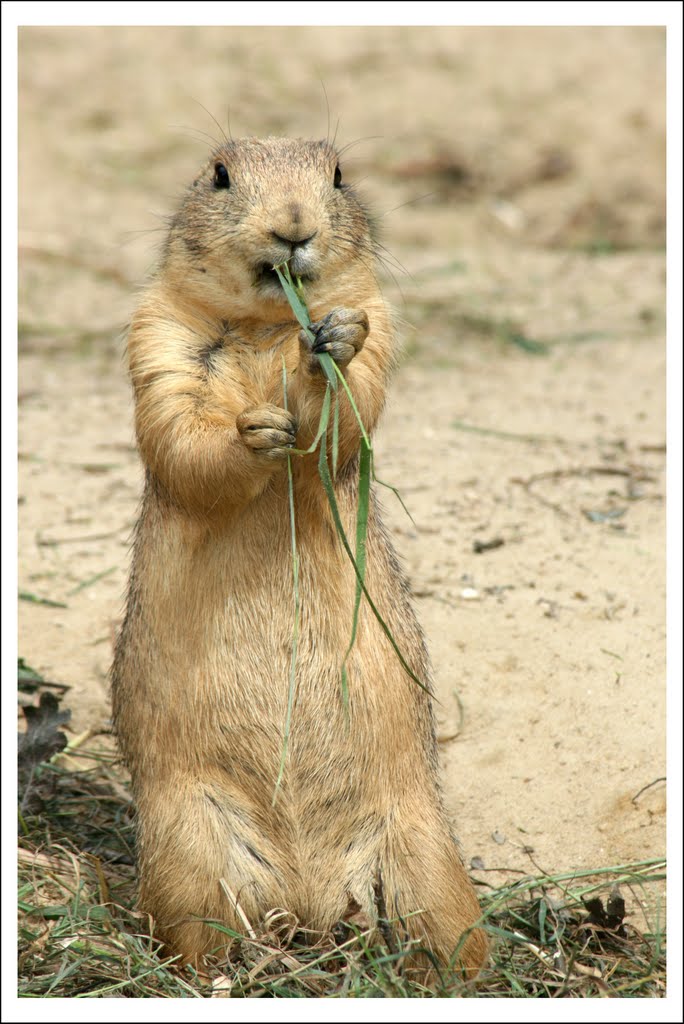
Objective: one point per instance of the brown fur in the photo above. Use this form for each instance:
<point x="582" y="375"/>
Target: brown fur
<point x="201" y="671"/>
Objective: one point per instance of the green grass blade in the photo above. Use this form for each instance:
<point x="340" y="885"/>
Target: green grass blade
<point x="300" y="310"/>
<point x="343" y="381"/>
<point x="322" y="427"/>
<point x="322" y="432"/>
<point x="332" y="501"/>
<point x="335" y="437"/>
<point x="25" y="595"/>
<point x="294" y="297"/>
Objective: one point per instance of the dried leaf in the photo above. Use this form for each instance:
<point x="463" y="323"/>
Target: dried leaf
<point x="41" y="741"/>
<point x="42" y="738"/>
<point x="615" y="908"/>
<point x="611" y="918"/>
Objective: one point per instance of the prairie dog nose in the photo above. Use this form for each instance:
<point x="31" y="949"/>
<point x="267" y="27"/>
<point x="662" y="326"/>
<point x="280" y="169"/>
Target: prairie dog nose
<point x="294" y="225"/>
<point x="292" y="238"/>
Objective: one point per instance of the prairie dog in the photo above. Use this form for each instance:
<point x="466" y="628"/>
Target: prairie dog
<point x="201" y="670"/>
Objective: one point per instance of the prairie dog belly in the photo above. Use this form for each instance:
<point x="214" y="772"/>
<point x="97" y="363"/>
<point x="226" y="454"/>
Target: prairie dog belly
<point x="222" y="657"/>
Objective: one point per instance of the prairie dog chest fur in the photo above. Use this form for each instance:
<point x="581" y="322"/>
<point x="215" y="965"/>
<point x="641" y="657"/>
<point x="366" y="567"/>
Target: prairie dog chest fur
<point x="204" y="681"/>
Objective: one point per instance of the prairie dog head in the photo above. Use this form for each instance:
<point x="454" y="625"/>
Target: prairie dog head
<point x="255" y="204"/>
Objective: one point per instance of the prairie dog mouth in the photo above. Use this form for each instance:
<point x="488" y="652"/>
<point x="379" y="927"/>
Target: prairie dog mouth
<point x="265" y="277"/>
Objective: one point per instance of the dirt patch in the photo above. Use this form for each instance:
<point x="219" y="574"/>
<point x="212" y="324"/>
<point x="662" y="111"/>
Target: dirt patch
<point x="519" y="180"/>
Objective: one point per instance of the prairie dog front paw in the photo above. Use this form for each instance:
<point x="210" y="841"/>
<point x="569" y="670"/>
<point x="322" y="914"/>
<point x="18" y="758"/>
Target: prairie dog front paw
<point x="267" y="430"/>
<point x="341" y="333"/>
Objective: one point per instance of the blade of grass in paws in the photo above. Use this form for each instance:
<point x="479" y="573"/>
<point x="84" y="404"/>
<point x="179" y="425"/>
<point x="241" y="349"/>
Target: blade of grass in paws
<point x="322" y="426"/>
<point x="295" y="625"/>
<point x="295" y="296"/>
<point x="299" y="308"/>
<point x="296" y="299"/>
<point x="376" y="479"/>
<point x="335" y="437"/>
<point x="326" y="479"/>
<point x="352" y="402"/>
<point x="367" y="441"/>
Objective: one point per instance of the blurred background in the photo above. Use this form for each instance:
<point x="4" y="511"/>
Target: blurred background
<point x="461" y="138"/>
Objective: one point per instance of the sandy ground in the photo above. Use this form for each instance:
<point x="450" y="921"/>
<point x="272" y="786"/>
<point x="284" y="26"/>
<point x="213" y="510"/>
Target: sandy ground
<point x="519" y="178"/>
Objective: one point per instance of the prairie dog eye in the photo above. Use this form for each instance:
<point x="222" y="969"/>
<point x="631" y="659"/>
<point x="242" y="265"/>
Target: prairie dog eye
<point x="221" y="179"/>
<point x="338" y="177"/>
